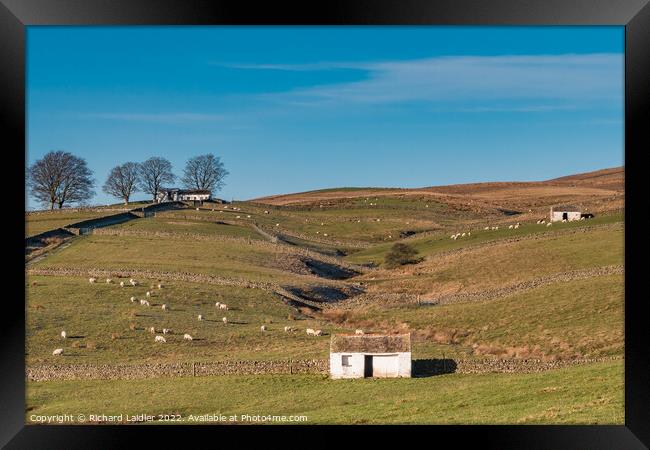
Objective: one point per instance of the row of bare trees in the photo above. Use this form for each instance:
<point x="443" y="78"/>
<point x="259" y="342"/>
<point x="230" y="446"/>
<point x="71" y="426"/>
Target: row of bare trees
<point x="60" y="177"/>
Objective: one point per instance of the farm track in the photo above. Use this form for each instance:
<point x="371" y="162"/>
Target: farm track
<point x="470" y="297"/>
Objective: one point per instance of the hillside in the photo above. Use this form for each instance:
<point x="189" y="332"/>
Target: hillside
<point x="552" y="294"/>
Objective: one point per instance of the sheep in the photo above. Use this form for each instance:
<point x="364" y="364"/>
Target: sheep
<point x="549" y="224"/>
<point x="310" y="331"/>
<point x="511" y="227"/>
<point x="263" y="328"/>
<point x="121" y="283"/>
<point x="148" y="294"/>
<point x="223" y="306"/>
<point x="152" y="330"/>
<point x="160" y="339"/>
<point x="288" y="329"/>
<point x="266" y="212"/>
<point x="164" y="307"/>
<point x="200" y="317"/>
<point x="358" y="331"/>
<point x="462" y="235"/>
<point x="187" y="337"/>
<point x="197" y="209"/>
<point x="58" y="351"/>
<point x="248" y="216"/>
<point x="63" y="335"/>
<point x="582" y="218"/>
<point x="133" y="299"/>
<point x="225" y="320"/>
<point x="91" y="280"/>
<point x="146" y="303"/>
<point x="469" y="233"/>
<point x="108" y="281"/>
<point x="453" y="236"/>
<point x="167" y="331"/>
<point x="277" y="224"/>
<point x="132" y="281"/>
<point x="324" y="234"/>
<point x="160" y="286"/>
<point x="237" y="217"/>
<point x="516" y="227"/>
<point x="217" y="304"/>
<point x="318" y="333"/>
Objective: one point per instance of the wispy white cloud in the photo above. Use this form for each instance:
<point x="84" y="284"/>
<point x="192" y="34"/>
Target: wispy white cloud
<point x="570" y="77"/>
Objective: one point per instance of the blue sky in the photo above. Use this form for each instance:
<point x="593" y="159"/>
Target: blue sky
<point x="294" y="109"/>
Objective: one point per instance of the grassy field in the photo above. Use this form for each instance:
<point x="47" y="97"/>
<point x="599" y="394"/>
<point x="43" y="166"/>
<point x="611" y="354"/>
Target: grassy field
<point x="92" y="313"/>
<point x="39" y="223"/>
<point x="498" y="265"/>
<point x="579" y="319"/>
<point x="589" y="394"/>
<point x="175" y="254"/>
<point x="169" y="225"/>
<point x="442" y="242"/>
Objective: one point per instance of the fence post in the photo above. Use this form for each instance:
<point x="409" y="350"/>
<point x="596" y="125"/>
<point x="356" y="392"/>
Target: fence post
<point x="194" y="368"/>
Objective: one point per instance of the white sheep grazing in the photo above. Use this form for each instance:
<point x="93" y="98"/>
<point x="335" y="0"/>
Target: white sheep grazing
<point x="152" y="330"/>
<point x="496" y="228"/>
<point x="225" y="320"/>
<point x="486" y="228"/>
<point x="358" y="331"/>
<point x="200" y="317"/>
<point x="164" y="307"/>
<point x="287" y="329"/>
<point x="469" y="233"/>
<point x="148" y="294"/>
<point x="187" y="337"/>
<point x="277" y="224"/>
<point x="266" y="212"/>
<point x="146" y="303"/>
<point x="91" y="280"/>
<point x="462" y="235"/>
<point x="549" y="224"/>
<point x="58" y="351"/>
<point x="453" y="236"/>
<point x="108" y="281"/>
<point x="516" y="226"/>
<point x="237" y="217"/>
<point x="248" y="216"/>
<point x="217" y="304"/>
<point x="160" y="339"/>
<point x="511" y="227"/>
<point x="133" y="299"/>
<point x="63" y="335"/>
<point x="324" y="234"/>
<point x="223" y="306"/>
<point x="121" y="283"/>
<point x="310" y="331"/>
<point x="318" y="333"/>
<point x="263" y="328"/>
<point x="166" y="331"/>
<point x="160" y="286"/>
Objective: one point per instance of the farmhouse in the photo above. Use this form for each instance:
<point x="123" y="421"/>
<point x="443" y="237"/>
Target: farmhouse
<point x="565" y="212"/>
<point x="183" y="195"/>
<point x="370" y="355"/>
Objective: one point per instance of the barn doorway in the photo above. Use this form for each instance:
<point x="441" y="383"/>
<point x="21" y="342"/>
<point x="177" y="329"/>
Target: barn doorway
<point x="565" y="216"/>
<point x="367" y="366"/>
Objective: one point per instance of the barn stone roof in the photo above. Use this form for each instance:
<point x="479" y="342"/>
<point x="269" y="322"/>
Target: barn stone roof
<point x="566" y="208"/>
<point x="370" y="343"/>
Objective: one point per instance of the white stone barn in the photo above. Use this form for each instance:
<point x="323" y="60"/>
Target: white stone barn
<point x="565" y="212"/>
<point x="370" y="355"/>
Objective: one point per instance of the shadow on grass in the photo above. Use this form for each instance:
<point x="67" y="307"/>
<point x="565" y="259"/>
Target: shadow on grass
<point x="423" y="368"/>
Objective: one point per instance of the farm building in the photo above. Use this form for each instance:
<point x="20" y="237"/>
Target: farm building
<point x="183" y="195"/>
<point x="565" y="212"/>
<point x="370" y="355"/>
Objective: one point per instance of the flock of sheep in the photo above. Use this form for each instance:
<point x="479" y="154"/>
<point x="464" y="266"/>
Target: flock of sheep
<point x="165" y="307"/>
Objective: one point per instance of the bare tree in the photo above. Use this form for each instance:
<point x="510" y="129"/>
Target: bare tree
<point x="122" y="181"/>
<point x="204" y="172"/>
<point x="60" y="177"/>
<point x="155" y="172"/>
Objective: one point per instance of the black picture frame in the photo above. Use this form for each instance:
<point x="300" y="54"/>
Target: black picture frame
<point x="15" y="15"/>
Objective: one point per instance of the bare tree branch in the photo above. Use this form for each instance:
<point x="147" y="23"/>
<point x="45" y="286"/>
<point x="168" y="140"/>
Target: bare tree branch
<point x="122" y="181"/>
<point x="204" y="172"/>
<point x="155" y="172"/>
